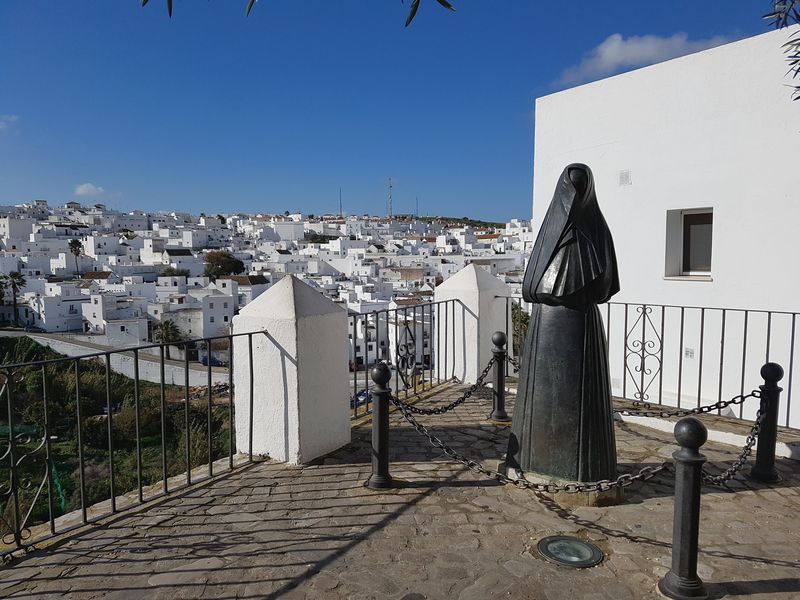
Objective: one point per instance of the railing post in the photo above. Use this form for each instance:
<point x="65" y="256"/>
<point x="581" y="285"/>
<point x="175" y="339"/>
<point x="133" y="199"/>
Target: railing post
<point x="380" y="478"/>
<point x="682" y="582"/>
<point x="499" y="390"/>
<point x="764" y="469"/>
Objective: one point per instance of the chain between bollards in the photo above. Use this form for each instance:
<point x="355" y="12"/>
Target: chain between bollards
<point x="380" y="479"/>
<point x="682" y="582"/>
<point x="499" y="391"/>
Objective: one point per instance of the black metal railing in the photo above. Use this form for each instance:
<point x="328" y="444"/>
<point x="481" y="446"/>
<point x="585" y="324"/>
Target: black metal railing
<point x="416" y="342"/>
<point x="84" y="437"/>
<point x="687" y="355"/>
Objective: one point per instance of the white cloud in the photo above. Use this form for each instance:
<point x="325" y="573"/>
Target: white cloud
<point x="6" y="121"/>
<point x="618" y="53"/>
<point x="88" y="189"/>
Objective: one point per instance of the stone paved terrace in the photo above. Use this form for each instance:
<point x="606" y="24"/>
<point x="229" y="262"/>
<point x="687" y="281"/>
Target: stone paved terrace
<point x="269" y="531"/>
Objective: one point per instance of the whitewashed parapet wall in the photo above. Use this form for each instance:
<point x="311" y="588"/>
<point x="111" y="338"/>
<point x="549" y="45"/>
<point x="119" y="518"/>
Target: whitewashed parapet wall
<point x="479" y="309"/>
<point x="299" y="394"/>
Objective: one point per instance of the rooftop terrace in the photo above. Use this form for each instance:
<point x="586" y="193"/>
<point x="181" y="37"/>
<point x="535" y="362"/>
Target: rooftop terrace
<point x="269" y="530"/>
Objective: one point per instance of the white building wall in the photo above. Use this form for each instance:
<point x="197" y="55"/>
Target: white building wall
<point x="714" y="129"/>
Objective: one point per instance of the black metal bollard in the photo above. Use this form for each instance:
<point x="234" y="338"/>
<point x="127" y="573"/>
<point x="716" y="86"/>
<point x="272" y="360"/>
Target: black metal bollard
<point x="682" y="582"/>
<point x="499" y="393"/>
<point x="380" y="478"/>
<point x="764" y="469"/>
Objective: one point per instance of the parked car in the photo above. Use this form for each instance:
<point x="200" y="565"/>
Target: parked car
<point x="215" y="362"/>
<point x="361" y="398"/>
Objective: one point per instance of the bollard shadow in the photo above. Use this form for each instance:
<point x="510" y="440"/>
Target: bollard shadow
<point x="752" y="588"/>
<point x="719" y="458"/>
<point x="260" y="534"/>
<point x="470" y="433"/>
<point x="567" y="515"/>
<point x="637" y="447"/>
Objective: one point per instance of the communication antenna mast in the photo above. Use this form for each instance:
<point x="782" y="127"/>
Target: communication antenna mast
<point x="390" y="197"/>
<point x="341" y="214"/>
<point x="416" y="207"/>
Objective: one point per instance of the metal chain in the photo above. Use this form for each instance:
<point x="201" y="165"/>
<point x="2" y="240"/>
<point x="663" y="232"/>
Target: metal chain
<point x="513" y="362"/>
<point x="571" y="488"/>
<point x="458" y="401"/>
<point x="685" y="412"/>
<point x="648" y="411"/>
<point x="623" y="480"/>
<point x="731" y="471"/>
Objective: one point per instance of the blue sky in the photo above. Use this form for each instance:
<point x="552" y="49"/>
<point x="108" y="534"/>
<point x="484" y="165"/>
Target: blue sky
<point x="211" y="111"/>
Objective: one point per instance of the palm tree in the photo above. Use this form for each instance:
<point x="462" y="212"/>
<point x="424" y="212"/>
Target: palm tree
<point x="167" y="333"/>
<point x="14" y="281"/>
<point x="76" y="248"/>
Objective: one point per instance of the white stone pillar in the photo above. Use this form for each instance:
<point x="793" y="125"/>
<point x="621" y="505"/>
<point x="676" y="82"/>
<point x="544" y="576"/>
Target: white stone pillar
<point x="301" y="396"/>
<point x="479" y="309"/>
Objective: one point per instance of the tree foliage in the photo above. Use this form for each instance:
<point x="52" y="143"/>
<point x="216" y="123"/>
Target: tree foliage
<point x="220" y="263"/>
<point x="520" y="320"/>
<point x="131" y="420"/>
<point x="318" y="238"/>
<point x="173" y="272"/>
<point x="168" y="333"/>
<point x="14" y="282"/>
<point x="411" y="14"/>
<point x="76" y="249"/>
<point x="783" y="14"/>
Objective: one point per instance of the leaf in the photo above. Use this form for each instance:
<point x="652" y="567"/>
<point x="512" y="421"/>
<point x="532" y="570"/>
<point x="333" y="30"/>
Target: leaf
<point x="446" y="4"/>
<point x="249" y="6"/>
<point x="413" y="12"/>
<point x="144" y="2"/>
<point x="169" y="8"/>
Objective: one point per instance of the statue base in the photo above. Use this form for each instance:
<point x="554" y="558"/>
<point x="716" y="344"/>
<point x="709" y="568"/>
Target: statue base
<point x="610" y="497"/>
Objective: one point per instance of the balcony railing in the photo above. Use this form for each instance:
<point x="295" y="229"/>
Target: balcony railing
<point x="82" y="438"/>
<point x="687" y="356"/>
<point x="413" y="340"/>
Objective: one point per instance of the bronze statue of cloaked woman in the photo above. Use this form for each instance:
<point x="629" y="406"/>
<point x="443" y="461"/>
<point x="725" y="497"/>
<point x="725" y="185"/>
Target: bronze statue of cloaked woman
<point x="563" y="423"/>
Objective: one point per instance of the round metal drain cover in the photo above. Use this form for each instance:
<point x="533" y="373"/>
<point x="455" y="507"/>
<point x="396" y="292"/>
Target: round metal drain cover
<point x="569" y="551"/>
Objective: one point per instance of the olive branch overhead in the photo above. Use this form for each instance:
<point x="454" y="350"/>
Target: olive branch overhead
<point x="785" y="13"/>
<point x="411" y="14"/>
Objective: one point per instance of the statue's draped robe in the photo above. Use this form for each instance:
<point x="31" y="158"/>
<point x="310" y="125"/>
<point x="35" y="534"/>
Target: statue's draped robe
<point x="563" y="422"/>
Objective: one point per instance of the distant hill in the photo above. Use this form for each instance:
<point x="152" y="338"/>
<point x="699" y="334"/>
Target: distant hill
<point x="462" y="221"/>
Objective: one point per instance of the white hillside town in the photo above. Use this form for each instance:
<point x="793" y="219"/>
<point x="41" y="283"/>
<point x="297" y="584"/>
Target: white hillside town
<point x="586" y="388"/>
<point x="113" y="278"/>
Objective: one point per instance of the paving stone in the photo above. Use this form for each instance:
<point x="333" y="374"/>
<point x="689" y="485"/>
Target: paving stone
<point x="185" y="574"/>
<point x="315" y="532"/>
<point x="490" y="585"/>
